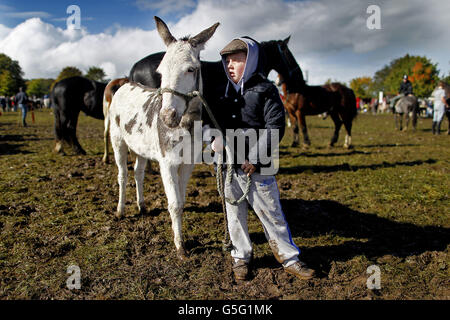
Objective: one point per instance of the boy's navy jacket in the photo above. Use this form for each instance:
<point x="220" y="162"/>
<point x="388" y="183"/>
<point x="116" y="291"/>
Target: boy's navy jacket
<point x="253" y="103"/>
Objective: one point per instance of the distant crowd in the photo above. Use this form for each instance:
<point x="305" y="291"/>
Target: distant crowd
<point x="10" y="103"/>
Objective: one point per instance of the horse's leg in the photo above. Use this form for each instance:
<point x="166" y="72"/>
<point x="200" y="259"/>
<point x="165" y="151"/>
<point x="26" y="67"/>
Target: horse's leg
<point x="302" y="123"/>
<point x="139" y="173"/>
<point x="398" y="121"/>
<point x="59" y="131"/>
<point x="337" y="127"/>
<point x="295" y="124"/>
<point x="406" y="118"/>
<point x="121" y="156"/>
<point x="72" y="134"/>
<point x="169" y="175"/>
<point x="348" y="137"/>
<point x="415" y="114"/>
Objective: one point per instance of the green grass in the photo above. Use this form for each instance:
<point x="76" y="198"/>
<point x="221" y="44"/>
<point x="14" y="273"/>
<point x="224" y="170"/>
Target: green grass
<point x="384" y="202"/>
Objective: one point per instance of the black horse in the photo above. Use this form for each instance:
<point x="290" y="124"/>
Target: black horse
<point x="68" y="97"/>
<point x="213" y="73"/>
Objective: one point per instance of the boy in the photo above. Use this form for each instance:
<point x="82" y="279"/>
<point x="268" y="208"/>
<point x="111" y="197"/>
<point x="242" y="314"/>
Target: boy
<point x="253" y="102"/>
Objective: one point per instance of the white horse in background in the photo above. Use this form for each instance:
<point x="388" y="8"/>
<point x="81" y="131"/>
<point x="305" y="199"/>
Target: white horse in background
<point x="146" y="121"/>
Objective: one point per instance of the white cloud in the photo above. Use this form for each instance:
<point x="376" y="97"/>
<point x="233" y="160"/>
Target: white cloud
<point x="329" y="38"/>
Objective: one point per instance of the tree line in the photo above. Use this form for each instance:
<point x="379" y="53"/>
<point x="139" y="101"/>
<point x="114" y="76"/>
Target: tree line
<point x="422" y="73"/>
<point x="11" y="78"/>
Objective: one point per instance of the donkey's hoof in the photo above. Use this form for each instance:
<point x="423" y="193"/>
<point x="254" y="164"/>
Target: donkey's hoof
<point x="294" y="144"/>
<point x="181" y="254"/>
<point x="118" y="215"/>
<point x="142" y="210"/>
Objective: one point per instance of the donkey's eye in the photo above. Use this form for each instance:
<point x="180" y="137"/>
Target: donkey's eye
<point x="191" y="69"/>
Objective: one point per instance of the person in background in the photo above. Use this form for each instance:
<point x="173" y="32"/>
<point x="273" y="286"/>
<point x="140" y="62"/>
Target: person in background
<point x="3" y="103"/>
<point x="405" y="90"/>
<point x="21" y="100"/>
<point x="439" y="108"/>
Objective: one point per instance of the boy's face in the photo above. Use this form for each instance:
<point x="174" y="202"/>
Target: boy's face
<point x="236" y="65"/>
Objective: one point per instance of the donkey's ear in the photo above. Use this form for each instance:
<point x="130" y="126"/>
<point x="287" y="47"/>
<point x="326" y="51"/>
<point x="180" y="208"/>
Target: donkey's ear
<point x="203" y="36"/>
<point x="164" y="32"/>
<point x="286" y="41"/>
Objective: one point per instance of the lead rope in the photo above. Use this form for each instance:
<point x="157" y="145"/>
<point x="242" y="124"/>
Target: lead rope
<point x="227" y="245"/>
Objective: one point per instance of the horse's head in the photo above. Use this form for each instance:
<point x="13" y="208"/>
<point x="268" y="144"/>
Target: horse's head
<point x="180" y="71"/>
<point x="280" y="58"/>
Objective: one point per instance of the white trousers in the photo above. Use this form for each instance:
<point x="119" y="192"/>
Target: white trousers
<point x="264" y="198"/>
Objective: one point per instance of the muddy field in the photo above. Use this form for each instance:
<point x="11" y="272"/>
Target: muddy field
<point x="384" y="203"/>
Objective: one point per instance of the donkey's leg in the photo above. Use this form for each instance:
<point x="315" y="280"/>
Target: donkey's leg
<point x="121" y="157"/>
<point x="139" y="173"/>
<point x="185" y="172"/>
<point x="337" y="127"/>
<point x="169" y="175"/>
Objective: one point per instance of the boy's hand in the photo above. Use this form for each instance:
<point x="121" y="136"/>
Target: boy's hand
<point x="248" y="168"/>
<point x="217" y="144"/>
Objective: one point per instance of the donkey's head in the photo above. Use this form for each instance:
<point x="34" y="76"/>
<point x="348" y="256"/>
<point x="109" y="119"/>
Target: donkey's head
<point x="180" y="71"/>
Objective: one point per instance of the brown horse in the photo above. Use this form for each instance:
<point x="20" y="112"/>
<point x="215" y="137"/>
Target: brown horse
<point x="301" y="100"/>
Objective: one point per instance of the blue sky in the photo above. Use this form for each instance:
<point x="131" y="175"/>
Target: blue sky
<point x="329" y="38"/>
<point x="96" y="15"/>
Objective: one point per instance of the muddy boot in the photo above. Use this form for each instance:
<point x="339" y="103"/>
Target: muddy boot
<point x="300" y="270"/>
<point x="240" y="270"/>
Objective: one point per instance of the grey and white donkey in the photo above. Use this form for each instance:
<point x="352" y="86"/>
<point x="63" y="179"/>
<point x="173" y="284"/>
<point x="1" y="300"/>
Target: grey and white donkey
<point x="148" y="121"/>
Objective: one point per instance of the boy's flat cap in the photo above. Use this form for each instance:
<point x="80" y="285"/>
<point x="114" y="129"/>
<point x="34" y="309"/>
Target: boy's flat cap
<point x="233" y="47"/>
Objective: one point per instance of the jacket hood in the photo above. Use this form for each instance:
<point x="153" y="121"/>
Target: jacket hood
<point x="251" y="65"/>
